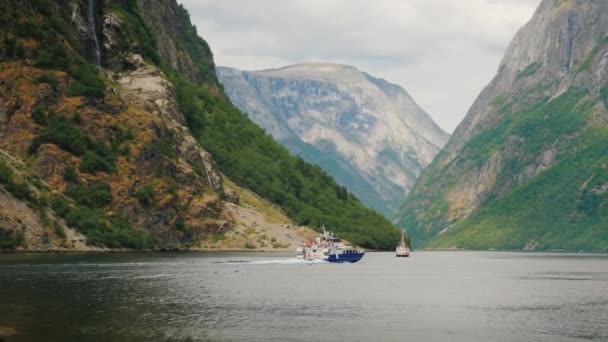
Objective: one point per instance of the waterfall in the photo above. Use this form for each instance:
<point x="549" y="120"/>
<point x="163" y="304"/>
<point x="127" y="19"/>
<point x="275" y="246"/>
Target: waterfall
<point x="93" y="26"/>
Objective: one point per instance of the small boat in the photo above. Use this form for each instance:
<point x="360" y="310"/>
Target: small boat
<point x="329" y="248"/>
<point x="402" y="249"/>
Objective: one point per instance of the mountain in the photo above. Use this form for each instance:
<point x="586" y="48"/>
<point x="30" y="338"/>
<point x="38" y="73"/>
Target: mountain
<point x="115" y="133"/>
<point x="367" y="133"/>
<point x="527" y="168"/>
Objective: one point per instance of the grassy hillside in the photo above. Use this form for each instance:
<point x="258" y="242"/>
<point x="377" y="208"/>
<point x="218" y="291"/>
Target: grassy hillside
<point x="45" y="80"/>
<point x="329" y="159"/>
<point x="250" y="157"/>
<point x="563" y="207"/>
<point x="106" y="157"/>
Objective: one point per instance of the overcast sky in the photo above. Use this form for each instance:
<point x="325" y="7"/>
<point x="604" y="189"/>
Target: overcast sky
<point x="443" y="52"/>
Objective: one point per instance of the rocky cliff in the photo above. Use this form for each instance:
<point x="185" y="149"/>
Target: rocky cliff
<point x="366" y="132"/>
<point x="115" y="134"/>
<point x="527" y="166"/>
<point x="88" y="163"/>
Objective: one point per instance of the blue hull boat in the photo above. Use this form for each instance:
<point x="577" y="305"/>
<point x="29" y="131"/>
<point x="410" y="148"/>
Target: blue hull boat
<point x="353" y="257"/>
<point x="329" y="248"/>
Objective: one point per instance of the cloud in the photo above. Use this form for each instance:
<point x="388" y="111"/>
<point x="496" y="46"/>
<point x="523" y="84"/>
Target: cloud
<point x="441" y="51"/>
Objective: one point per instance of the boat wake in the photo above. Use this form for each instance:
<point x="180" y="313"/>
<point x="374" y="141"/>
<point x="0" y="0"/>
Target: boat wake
<point x="275" y="262"/>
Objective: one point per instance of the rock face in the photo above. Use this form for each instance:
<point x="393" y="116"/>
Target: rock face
<point x="200" y="68"/>
<point x="161" y="185"/>
<point x="105" y="106"/>
<point x="554" y="46"/>
<point x="367" y="133"/>
<point x="530" y="133"/>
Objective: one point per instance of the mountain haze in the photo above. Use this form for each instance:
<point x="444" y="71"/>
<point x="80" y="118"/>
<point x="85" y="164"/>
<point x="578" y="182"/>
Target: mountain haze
<point x="366" y="132"/>
<point x="527" y="168"/>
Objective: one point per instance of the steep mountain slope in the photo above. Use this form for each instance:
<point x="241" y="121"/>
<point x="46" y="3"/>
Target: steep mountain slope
<point x="111" y="160"/>
<point x="527" y="166"/>
<point x="367" y="133"/>
<point x="105" y="107"/>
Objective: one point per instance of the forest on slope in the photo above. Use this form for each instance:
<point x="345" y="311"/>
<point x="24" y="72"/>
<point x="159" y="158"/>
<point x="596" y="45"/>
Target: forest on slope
<point x="527" y="167"/>
<point x="97" y="143"/>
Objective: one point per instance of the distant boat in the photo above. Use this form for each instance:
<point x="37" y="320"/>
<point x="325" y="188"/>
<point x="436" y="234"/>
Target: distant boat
<point x="402" y="249"/>
<point x="329" y="248"/>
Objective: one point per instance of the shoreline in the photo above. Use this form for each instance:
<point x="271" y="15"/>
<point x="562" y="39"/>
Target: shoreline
<point x="122" y="251"/>
<point x="236" y="250"/>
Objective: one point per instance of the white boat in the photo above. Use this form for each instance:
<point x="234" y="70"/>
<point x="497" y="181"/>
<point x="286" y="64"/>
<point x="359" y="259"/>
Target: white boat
<point x="329" y="248"/>
<point x="402" y="249"/>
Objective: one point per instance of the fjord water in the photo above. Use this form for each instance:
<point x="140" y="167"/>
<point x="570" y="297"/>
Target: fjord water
<point x="432" y="296"/>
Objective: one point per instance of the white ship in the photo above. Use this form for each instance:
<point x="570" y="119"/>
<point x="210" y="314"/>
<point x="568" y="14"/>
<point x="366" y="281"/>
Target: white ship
<point x="402" y="249"/>
<point x="329" y="248"/>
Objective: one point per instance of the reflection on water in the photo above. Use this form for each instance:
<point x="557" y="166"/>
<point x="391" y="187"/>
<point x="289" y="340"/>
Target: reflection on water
<point x="433" y="296"/>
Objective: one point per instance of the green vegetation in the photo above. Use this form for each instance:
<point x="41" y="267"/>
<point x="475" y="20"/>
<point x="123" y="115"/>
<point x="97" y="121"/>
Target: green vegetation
<point x="249" y="245"/>
<point x="424" y="227"/>
<point x="87" y="80"/>
<point x="553" y="210"/>
<point x="604" y="94"/>
<point x="328" y="158"/>
<point x="17" y="187"/>
<point x="529" y="70"/>
<point x="101" y="159"/>
<point x="136" y="27"/>
<point x="86" y="214"/>
<point x="63" y="132"/>
<point x="564" y="207"/>
<point x="70" y="175"/>
<point x="586" y="65"/>
<point x="48" y="78"/>
<point x="55" y="49"/>
<point x="96" y="195"/>
<point x="246" y="154"/>
<point x="91" y="220"/>
<point x="39" y="116"/>
<point x="499" y="100"/>
<point x="241" y="150"/>
<point x="145" y="195"/>
<point x="59" y="231"/>
<point x="196" y="47"/>
<point x="541" y="124"/>
<point x="254" y="160"/>
<point x="188" y="39"/>
<point x="219" y="237"/>
<point x="11" y="239"/>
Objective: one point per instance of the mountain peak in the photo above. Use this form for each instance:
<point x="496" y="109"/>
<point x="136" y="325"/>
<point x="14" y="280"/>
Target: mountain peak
<point x="313" y="70"/>
<point x="525" y="168"/>
<point x="368" y="133"/>
<point x="551" y="53"/>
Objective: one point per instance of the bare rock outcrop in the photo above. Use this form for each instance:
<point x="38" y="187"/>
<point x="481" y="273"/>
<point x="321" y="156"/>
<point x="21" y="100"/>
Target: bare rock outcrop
<point x="514" y="132"/>
<point x="366" y="132"/>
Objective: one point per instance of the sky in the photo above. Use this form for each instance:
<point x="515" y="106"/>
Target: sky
<point x="442" y="52"/>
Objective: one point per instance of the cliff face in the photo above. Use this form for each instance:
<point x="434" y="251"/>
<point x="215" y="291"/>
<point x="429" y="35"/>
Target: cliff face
<point x="559" y="44"/>
<point x="367" y="133"/>
<point x="526" y="167"/>
<point x="115" y="134"/>
<point x="178" y="43"/>
<point x="90" y="161"/>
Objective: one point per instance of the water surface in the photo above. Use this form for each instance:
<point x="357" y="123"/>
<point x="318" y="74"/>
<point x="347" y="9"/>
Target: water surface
<point x="432" y="296"/>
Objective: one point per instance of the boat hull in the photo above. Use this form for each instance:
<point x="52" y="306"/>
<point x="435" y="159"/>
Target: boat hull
<point x="402" y="251"/>
<point x="339" y="258"/>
